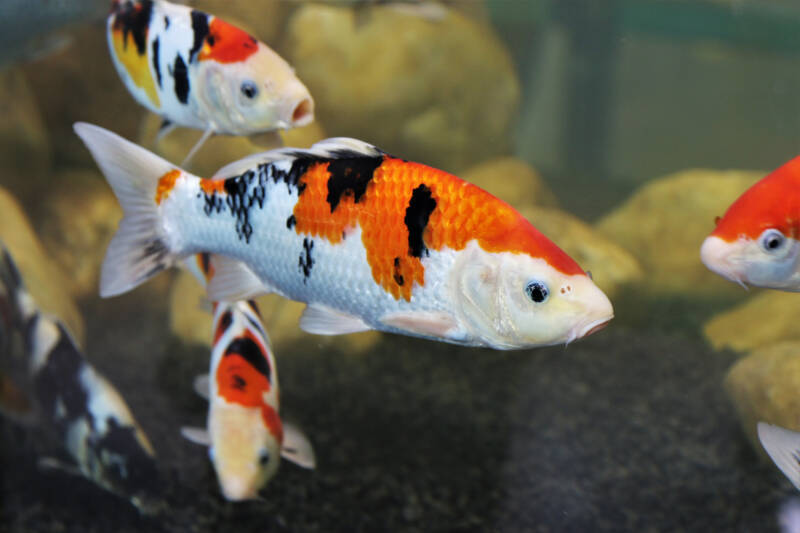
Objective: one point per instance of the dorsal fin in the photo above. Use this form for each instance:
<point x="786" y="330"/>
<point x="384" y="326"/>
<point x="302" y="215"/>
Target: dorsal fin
<point x="333" y="148"/>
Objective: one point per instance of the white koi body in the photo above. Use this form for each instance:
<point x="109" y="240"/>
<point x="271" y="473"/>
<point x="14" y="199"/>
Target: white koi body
<point x="368" y="241"/>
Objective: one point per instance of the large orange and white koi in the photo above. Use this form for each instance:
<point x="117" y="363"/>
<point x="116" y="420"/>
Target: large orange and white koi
<point x="198" y="71"/>
<point x="367" y="240"/>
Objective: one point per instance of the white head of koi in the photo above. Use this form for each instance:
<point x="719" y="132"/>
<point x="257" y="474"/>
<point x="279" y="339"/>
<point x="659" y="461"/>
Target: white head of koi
<point x="260" y="93"/>
<point x="512" y="300"/>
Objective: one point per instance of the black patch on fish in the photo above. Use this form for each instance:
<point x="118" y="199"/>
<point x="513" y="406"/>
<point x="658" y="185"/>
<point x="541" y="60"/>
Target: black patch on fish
<point x="57" y="382"/>
<point x="418" y="212"/>
<point x="242" y="193"/>
<point x="200" y="30"/>
<point x="350" y="176"/>
<point x="238" y="382"/>
<point x="224" y="323"/>
<point x="166" y="22"/>
<point x="127" y="466"/>
<point x="205" y="263"/>
<point x="306" y="262"/>
<point x="133" y="18"/>
<point x="155" y="252"/>
<point x="11" y="270"/>
<point x="250" y="352"/>
<point x="398" y="278"/>
<point x="291" y="222"/>
<point x="181" y="76"/>
<point x="254" y="306"/>
<point x="156" y="63"/>
<point x="257" y="326"/>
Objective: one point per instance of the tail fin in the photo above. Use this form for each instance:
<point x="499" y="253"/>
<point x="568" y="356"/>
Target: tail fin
<point x="138" y="251"/>
<point x="783" y="446"/>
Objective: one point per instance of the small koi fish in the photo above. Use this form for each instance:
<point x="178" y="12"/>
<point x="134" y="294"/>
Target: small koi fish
<point x="756" y="241"/>
<point x="366" y="240"/>
<point x="198" y="71"/>
<point x="245" y="435"/>
<point x="77" y="405"/>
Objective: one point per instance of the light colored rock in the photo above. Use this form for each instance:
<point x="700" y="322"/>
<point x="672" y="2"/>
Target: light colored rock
<point x="439" y="92"/>
<point x="611" y="265"/>
<point x="664" y="223"/>
<point x="43" y="277"/>
<point x="26" y="160"/>
<point x="764" y="386"/>
<point x="78" y="220"/>
<point x="190" y="319"/>
<point x="217" y="151"/>
<point x="766" y="318"/>
<point x="513" y="181"/>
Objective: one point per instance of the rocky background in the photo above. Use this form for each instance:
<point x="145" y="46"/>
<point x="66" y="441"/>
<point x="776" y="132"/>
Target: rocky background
<point x="648" y="425"/>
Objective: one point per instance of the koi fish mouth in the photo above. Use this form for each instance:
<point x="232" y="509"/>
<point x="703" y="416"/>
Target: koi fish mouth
<point x="716" y="254"/>
<point x="592" y="327"/>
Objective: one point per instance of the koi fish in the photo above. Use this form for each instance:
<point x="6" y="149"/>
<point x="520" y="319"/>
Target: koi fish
<point x="198" y="71"/>
<point x="755" y="241"/>
<point x="783" y="447"/>
<point x="366" y="240"/>
<point x="245" y="437"/>
<point x="77" y="405"/>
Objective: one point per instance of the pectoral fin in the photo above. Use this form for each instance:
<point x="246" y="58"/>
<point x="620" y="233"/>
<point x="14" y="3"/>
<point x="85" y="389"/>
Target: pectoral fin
<point x="233" y="281"/>
<point x="51" y="463"/>
<point x="202" y="386"/>
<point x="297" y="448"/>
<point x="424" y="323"/>
<point x="322" y="320"/>
<point x="196" y="435"/>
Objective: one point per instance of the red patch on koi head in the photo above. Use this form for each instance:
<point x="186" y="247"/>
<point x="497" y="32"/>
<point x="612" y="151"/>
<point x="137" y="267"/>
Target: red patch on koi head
<point x="225" y="43"/>
<point x="770" y="203"/>
<point x="238" y="382"/>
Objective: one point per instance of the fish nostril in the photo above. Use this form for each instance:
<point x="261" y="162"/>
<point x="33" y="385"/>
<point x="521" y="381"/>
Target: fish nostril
<point x="304" y="112"/>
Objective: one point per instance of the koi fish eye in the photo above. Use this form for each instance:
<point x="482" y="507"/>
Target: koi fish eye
<point x="249" y="89"/>
<point x="537" y="291"/>
<point x="771" y="240"/>
<point x="263" y="457"/>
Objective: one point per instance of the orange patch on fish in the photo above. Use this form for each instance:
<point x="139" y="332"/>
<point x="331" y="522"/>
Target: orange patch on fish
<point x="238" y="382"/>
<point x="136" y="65"/>
<point x="225" y="43"/>
<point x="211" y="186"/>
<point x="462" y="212"/>
<point x="272" y="421"/>
<point x="771" y="202"/>
<point x="165" y="184"/>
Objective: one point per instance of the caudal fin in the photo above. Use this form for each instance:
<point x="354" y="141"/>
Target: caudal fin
<point x="783" y="446"/>
<point x="138" y="251"/>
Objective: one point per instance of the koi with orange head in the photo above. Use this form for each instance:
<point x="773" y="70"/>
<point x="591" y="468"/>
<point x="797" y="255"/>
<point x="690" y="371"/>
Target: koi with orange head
<point x="756" y="241"/>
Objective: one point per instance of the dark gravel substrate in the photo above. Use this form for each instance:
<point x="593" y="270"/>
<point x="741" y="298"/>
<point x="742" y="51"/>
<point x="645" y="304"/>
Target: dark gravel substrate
<point x="624" y="431"/>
